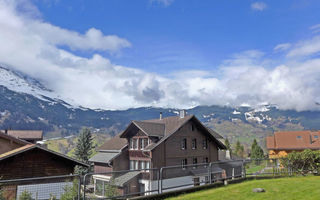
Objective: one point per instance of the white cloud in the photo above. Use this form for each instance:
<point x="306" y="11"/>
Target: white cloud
<point x="163" y="2"/>
<point x="258" y="6"/>
<point x="305" y="48"/>
<point x="245" y="78"/>
<point x="315" y="28"/>
<point x="282" y="47"/>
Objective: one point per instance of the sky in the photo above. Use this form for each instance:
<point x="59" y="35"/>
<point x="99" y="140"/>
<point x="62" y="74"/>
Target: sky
<point x="120" y="54"/>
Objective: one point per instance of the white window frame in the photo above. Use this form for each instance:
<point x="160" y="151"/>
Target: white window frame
<point x="131" y="164"/>
<point x="136" y="164"/>
<point x="205" y="144"/>
<point x="147" y="164"/>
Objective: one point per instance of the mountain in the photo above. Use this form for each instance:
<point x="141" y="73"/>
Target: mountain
<point x="27" y="104"/>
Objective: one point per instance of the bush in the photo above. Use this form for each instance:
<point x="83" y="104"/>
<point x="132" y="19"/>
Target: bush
<point x="303" y="162"/>
<point x="25" y="195"/>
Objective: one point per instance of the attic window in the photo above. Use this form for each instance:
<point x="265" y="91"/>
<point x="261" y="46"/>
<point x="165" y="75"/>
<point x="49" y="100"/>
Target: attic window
<point x="299" y="137"/>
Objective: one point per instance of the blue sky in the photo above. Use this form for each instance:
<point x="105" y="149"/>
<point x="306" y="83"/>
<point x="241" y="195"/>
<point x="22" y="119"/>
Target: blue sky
<point x="167" y="53"/>
<point x="184" y="34"/>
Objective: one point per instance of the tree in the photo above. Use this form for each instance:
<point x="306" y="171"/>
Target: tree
<point x="70" y="192"/>
<point x="83" y="149"/>
<point x="239" y="149"/>
<point x="25" y="195"/>
<point x="256" y="151"/>
<point x="227" y="144"/>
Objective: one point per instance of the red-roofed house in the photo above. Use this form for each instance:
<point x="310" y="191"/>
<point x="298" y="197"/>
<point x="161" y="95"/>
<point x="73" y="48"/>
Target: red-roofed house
<point x="284" y="142"/>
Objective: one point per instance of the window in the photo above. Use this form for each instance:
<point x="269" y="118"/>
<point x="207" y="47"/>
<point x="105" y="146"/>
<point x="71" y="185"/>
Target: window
<point x="142" y="164"/>
<point x="131" y="164"/>
<point x="299" y="137"/>
<point x="316" y="136"/>
<point x="205" y="160"/>
<point x="136" y="164"/>
<point x="147" y="165"/>
<point x="134" y="143"/>
<point x="184" y="144"/>
<point x="144" y="142"/>
<point x="184" y="162"/>
<point x="192" y="127"/>
<point x="194" y="161"/>
<point x="194" y="143"/>
<point x="205" y="144"/>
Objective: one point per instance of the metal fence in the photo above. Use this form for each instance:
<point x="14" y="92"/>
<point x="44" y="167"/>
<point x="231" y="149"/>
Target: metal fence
<point x="131" y="183"/>
<point x="43" y="188"/>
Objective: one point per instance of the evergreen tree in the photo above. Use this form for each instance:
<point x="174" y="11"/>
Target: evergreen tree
<point x="256" y="151"/>
<point x="228" y="145"/>
<point x="83" y="149"/>
<point x="239" y="149"/>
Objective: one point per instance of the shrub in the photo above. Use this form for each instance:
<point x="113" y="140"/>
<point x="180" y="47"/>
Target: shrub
<point x="303" y="162"/>
<point x="25" y="195"/>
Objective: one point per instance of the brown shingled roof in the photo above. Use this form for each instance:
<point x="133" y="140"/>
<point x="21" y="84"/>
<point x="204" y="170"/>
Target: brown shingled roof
<point x="294" y="140"/>
<point x="26" y="134"/>
<point x="169" y="126"/>
<point x="14" y="139"/>
<point x="115" y="143"/>
<point x="32" y="146"/>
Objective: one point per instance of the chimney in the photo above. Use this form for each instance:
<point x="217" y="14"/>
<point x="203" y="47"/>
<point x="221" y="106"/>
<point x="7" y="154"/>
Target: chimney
<point x="160" y="115"/>
<point x="182" y="113"/>
<point x="6" y="131"/>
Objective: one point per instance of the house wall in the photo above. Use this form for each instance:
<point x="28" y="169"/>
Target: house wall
<point x="101" y="168"/>
<point x="7" y="145"/>
<point x="35" y="163"/>
<point x="121" y="162"/>
<point x="169" y="153"/>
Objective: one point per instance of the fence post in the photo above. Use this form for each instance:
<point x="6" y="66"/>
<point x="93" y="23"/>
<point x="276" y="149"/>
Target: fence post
<point x="79" y="187"/>
<point x="209" y="173"/>
<point x="84" y="186"/>
<point x="243" y="169"/>
<point x="160" y="186"/>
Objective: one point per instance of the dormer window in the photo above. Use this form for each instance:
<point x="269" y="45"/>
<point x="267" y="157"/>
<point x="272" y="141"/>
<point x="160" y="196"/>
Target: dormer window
<point x="144" y="142"/>
<point x="184" y="144"/>
<point x="134" y="143"/>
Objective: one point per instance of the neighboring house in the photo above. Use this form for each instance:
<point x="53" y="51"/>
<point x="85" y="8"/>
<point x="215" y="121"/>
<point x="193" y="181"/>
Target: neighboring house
<point x="284" y="142"/>
<point x="32" y="136"/>
<point x="30" y="161"/>
<point x="8" y="143"/>
<point x="113" y="154"/>
<point x="156" y="143"/>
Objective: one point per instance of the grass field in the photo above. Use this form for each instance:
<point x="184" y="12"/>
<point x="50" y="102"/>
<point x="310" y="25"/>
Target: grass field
<point x="291" y="188"/>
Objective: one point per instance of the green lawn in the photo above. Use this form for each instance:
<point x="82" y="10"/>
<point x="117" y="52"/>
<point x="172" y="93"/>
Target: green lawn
<point x="291" y="188"/>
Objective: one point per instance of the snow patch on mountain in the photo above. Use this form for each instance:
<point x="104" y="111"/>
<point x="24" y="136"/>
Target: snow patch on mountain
<point x="19" y="82"/>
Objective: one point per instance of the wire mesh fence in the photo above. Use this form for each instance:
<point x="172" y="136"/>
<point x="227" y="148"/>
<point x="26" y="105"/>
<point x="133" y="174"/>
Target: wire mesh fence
<point x="132" y="183"/>
<point x="43" y="188"/>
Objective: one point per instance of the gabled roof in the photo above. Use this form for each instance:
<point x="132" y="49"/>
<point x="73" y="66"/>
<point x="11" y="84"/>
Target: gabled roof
<point x="104" y="157"/>
<point x="168" y="126"/>
<point x="29" y="147"/>
<point x="25" y="134"/>
<point x="114" y="144"/>
<point x="151" y="128"/>
<point x="294" y="140"/>
<point x="14" y="139"/>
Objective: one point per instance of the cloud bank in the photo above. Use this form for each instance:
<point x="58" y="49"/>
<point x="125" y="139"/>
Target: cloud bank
<point x="34" y="47"/>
